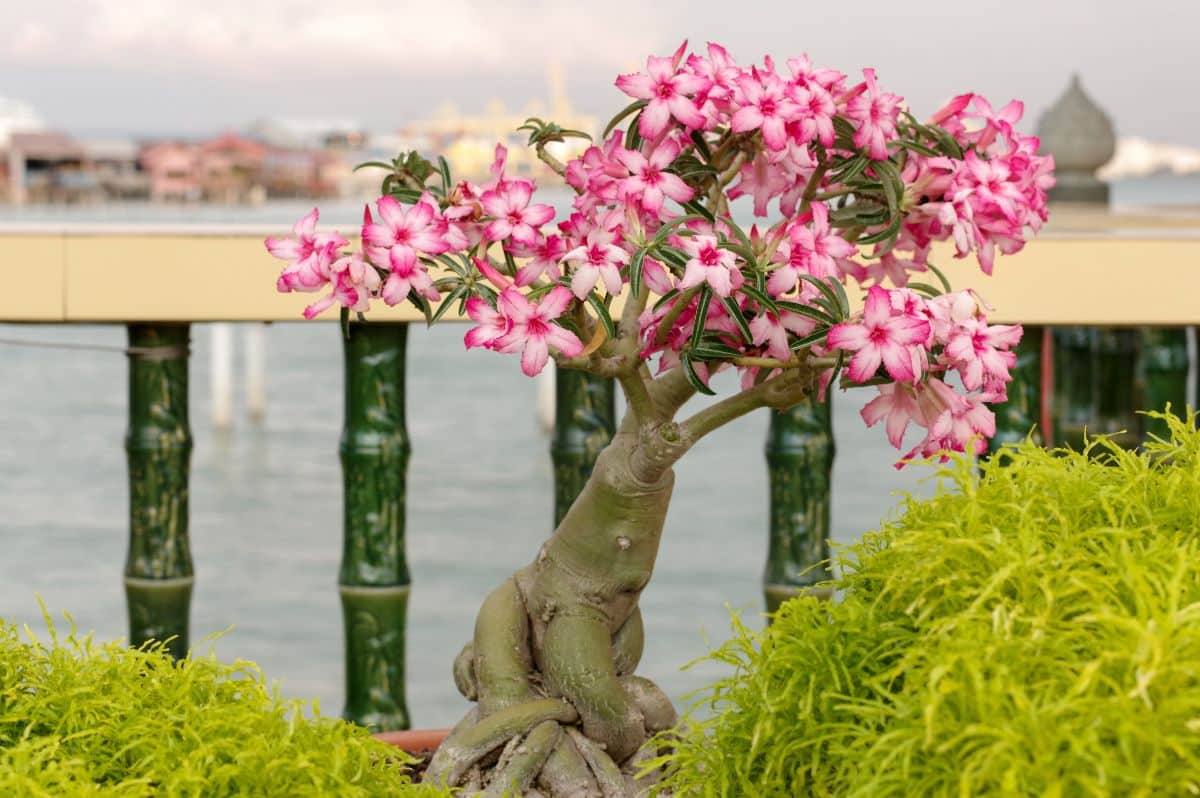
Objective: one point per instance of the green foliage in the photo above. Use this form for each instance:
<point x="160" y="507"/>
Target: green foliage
<point x="82" y="719"/>
<point x="1033" y="630"/>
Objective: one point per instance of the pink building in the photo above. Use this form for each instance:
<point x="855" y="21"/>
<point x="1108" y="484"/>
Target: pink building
<point x="174" y="170"/>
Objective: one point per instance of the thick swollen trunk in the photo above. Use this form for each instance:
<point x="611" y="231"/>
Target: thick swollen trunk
<point x="551" y="664"/>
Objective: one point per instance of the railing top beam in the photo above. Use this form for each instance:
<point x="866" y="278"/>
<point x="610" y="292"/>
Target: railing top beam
<point x="1086" y="268"/>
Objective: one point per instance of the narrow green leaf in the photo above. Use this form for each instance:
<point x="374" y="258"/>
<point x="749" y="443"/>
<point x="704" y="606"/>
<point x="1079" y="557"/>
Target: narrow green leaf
<point x="636" y="105"/>
<point x="761" y="297"/>
<point x="455" y="295"/>
<point x="924" y="288"/>
<point x="422" y="305"/>
<point x="701" y="145"/>
<point x="635" y="272"/>
<point x="940" y="275"/>
<point x="693" y="378"/>
<point x="731" y="306"/>
<point x="444" y="171"/>
<point x="373" y="164"/>
<point x="602" y="314"/>
<point x="808" y="311"/>
<point x="701" y="317"/>
<point x="665" y="298"/>
<point x="815" y="337"/>
<point x="696" y="207"/>
<point x="839" y="304"/>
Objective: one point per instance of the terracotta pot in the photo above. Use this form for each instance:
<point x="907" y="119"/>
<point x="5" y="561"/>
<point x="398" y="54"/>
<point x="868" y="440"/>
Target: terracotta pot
<point x="415" y="741"/>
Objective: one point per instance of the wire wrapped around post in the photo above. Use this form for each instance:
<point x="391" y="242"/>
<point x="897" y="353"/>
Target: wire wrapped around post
<point x="374" y="579"/>
<point x="158" y="448"/>
<point x="800" y="451"/>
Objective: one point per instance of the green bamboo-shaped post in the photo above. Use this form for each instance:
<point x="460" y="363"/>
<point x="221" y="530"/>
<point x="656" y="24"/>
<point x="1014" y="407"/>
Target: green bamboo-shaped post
<point x="800" y="451"/>
<point x="584" y="422"/>
<point x="1076" y="382"/>
<point x="1163" y="368"/>
<point x="158" y="447"/>
<point x="1117" y="355"/>
<point x="1021" y="414"/>
<point x="374" y="579"/>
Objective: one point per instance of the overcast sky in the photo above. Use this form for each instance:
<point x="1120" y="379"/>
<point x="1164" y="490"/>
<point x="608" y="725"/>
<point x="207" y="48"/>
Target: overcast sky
<point x="195" y="66"/>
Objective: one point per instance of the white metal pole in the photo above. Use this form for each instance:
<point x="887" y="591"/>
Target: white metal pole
<point x="222" y="375"/>
<point x="256" y="372"/>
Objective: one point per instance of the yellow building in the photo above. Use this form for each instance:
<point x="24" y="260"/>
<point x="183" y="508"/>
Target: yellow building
<point x="469" y="141"/>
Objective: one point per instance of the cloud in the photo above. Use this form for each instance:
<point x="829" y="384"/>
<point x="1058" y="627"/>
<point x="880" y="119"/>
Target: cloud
<point x="252" y="39"/>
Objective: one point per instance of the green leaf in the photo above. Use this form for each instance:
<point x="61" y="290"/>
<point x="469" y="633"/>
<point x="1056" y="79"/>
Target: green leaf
<point x="633" y="136"/>
<point x="941" y="277"/>
<point x="457" y="294"/>
<point x="761" y="297"/>
<point x="839" y="305"/>
<point x="701" y="145"/>
<point x="444" y="171"/>
<point x="602" y="314"/>
<point x="815" y="337"/>
<point x="671" y="255"/>
<point x="924" y="288"/>
<point x="701" y="317"/>
<point x="731" y="306"/>
<point x="713" y="350"/>
<point x="742" y="252"/>
<point x="408" y="196"/>
<point x="689" y="371"/>
<point x="696" y="207"/>
<point x="665" y="298"/>
<point x="808" y="311"/>
<point x="422" y="305"/>
<point x="372" y="164"/>
<point x="636" y="105"/>
<point x="635" y="272"/>
<point x="663" y="232"/>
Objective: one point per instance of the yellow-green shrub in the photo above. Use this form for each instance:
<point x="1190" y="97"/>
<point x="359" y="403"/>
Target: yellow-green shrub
<point x="1033" y="630"/>
<point x="83" y="719"/>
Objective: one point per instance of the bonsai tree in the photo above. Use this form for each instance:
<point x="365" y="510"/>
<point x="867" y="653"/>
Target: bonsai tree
<point x="651" y="279"/>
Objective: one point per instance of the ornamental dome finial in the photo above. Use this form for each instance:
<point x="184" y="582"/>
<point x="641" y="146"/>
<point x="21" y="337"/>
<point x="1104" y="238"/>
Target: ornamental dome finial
<point x="1081" y="137"/>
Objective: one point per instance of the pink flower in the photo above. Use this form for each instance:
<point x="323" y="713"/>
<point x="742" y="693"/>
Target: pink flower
<point x="956" y="423"/>
<point x="666" y="91"/>
<point x="896" y="403"/>
<point x="533" y="332"/>
<point x="875" y="111"/>
<point x="311" y="255"/>
<point x="813" y="249"/>
<point x="896" y="341"/>
<point x="647" y="183"/>
<point x="710" y="264"/>
<point x="761" y="179"/>
<point x="402" y="236"/>
<point x="598" y="257"/>
<point x="815" y="118"/>
<point x="514" y="216"/>
<point x="408" y="276"/>
<point x="980" y="353"/>
<point x="772" y="330"/>
<point x="544" y="257"/>
<point x="354" y="283"/>
<point x="493" y="324"/>
<point x="766" y="107"/>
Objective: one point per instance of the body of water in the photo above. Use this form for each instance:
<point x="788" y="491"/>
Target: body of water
<point x="266" y="506"/>
<point x="266" y="499"/>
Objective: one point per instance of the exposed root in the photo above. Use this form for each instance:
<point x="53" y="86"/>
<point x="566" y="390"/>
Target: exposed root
<point x="559" y="713"/>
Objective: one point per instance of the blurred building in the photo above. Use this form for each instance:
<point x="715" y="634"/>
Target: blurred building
<point x="468" y="141"/>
